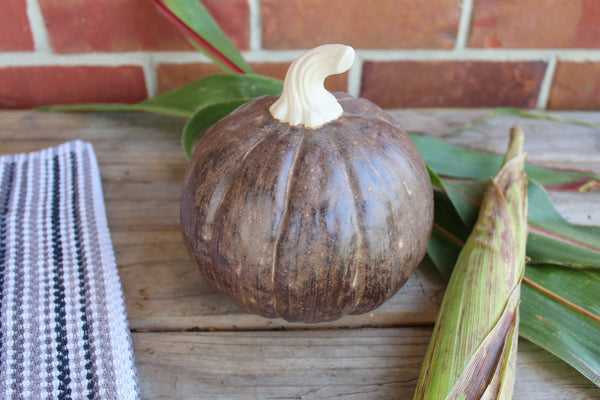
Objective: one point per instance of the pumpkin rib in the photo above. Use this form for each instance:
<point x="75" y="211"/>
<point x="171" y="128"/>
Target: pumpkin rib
<point x="228" y="192"/>
<point x="371" y="267"/>
<point x="237" y="169"/>
<point x="213" y="142"/>
<point x="284" y="214"/>
<point x="353" y="186"/>
<point x="397" y="148"/>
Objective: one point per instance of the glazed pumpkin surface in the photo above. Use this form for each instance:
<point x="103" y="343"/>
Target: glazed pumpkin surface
<point x="307" y="224"/>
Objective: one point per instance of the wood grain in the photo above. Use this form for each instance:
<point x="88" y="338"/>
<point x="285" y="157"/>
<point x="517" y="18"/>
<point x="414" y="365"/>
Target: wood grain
<point x="191" y="342"/>
<point x="319" y="364"/>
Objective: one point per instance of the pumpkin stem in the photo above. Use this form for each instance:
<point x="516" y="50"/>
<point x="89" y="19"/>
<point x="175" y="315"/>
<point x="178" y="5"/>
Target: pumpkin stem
<point x="304" y="100"/>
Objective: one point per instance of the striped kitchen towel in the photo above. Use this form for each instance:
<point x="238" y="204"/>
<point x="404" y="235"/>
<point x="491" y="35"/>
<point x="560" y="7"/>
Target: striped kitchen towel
<point x="63" y="324"/>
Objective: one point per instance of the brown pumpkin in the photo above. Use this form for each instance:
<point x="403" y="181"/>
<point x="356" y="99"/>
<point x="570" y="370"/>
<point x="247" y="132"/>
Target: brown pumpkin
<point x="307" y="224"/>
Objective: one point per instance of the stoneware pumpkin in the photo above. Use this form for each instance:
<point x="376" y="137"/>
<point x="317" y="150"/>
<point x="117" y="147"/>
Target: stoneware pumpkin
<point x="307" y="206"/>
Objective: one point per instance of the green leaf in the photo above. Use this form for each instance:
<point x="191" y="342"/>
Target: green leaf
<point x="213" y="89"/>
<point x="216" y="97"/>
<point x="117" y="107"/>
<point x="193" y="18"/>
<point x="203" y="119"/>
<point x="185" y="100"/>
<point x="579" y="287"/>
<point x="447" y="237"/>
<point x="466" y="199"/>
<point x="555" y="325"/>
<point x="552" y="239"/>
<point x="449" y="232"/>
<point x="560" y="312"/>
<point x="450" y="160"/>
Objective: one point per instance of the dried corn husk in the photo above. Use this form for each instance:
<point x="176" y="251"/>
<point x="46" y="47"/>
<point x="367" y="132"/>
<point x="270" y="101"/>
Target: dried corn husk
<point x="472" y="353"/>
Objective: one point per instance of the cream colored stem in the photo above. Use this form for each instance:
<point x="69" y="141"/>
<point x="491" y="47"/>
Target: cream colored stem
<point x="304" y="100"/>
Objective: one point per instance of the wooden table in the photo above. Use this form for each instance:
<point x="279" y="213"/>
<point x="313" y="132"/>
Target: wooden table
<point x="191" y="342"/>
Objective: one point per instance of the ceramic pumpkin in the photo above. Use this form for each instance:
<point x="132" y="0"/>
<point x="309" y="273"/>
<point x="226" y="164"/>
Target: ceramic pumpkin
<point x="309" y="205"/>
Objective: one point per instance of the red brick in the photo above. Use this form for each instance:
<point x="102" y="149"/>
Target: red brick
<point x="130" y="25"/>
<point x="25" y="87"/>
<point x="576" y="86"/>
<point x="233" y="16"/>
<point x="15" y="34"/>
<point x="171" y="76"/>
<point x="452" y="83"/>
<point x="536" y="24"/>
<point x="382" y="24"/>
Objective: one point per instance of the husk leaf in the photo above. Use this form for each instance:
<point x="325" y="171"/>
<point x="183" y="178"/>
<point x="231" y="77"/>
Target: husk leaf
<point x="472" y="353"/>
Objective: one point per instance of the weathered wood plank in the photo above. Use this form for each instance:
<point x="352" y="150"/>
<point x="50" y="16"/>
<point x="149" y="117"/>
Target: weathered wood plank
<point x="142" y="166"/>
<point x="362" y="364"/>
<point x="165" y="291"/>
<point x="172" y="296"/>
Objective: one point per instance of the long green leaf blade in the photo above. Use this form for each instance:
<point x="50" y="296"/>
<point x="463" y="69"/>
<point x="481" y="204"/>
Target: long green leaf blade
<point x="552" y="239"/>
<point x="454" y="161"/>
<point x="443" y="251"/>
<point x="555" y="240"/>
<point x="214" y="89"/>
<point x="553" y="249"/>
<point x="578" y="287"/>
<point x="447" y="237"/>
<point x="466" y="199"/>
<point x="555" y="326"/>
<point x="184" y="100"/>
<point x="561" y="313"/>
<point x="449" y="232"/>
<point x="197" y="23"/>
<point x="203" y="119"/>
<point x="118" y="107"/>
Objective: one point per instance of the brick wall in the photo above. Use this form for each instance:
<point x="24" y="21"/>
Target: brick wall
<point x="410" y="53"/>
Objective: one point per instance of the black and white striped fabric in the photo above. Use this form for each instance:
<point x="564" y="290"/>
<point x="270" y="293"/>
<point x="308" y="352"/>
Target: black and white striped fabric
<point x="63" y="325"/>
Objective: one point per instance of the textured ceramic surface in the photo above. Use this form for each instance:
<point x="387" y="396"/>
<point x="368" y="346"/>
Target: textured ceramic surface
<point x="303" y="224"/>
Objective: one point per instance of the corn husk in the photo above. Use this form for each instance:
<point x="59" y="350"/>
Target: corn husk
<point x="472" y="353"/>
